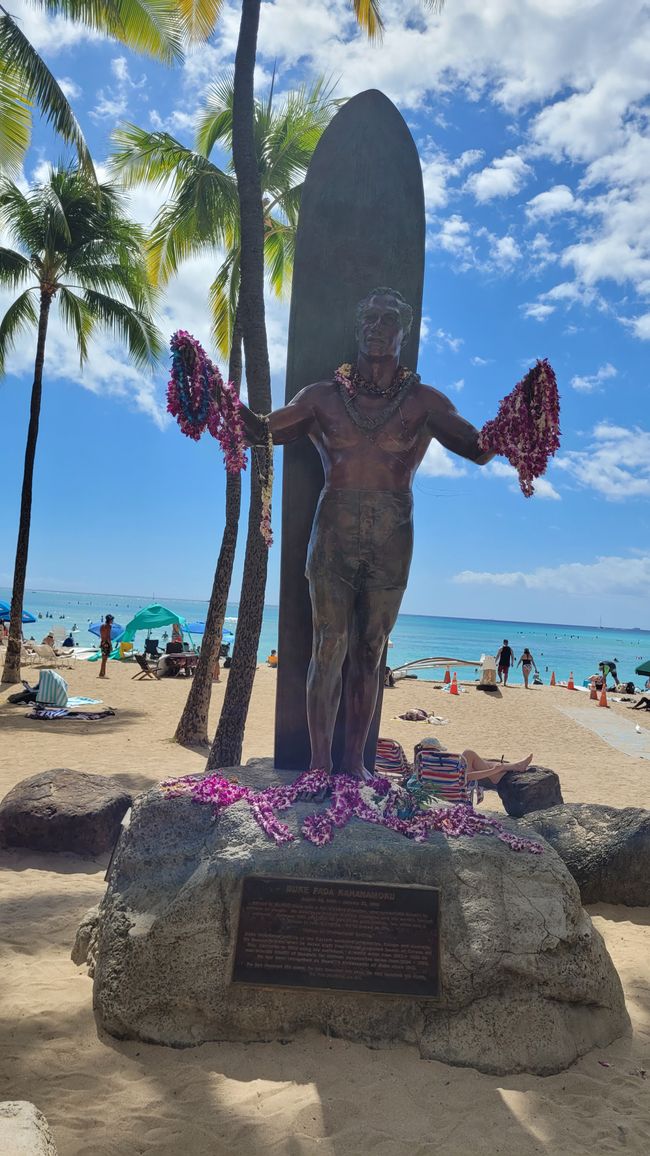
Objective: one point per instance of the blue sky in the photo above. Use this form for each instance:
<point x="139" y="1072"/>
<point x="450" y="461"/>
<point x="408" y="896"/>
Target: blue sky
<point x="531" y="118"/>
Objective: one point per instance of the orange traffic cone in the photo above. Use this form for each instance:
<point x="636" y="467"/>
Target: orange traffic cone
<point x="570" y="684"/>
<point x="447" y="677"/>
<point x="602" y="701"/>
<point x="593" y="693"/>
<point x="552" y="682"/>
<point x="453" y="689"/>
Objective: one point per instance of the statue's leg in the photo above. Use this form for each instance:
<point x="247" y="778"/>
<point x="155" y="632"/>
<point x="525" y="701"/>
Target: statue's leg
<point x="332" y="600"/>
<point x="374" y="618"/>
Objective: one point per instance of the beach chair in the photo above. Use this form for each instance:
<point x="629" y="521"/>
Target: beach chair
<point x="446" y="775"/>
<point x="145" y="670"/>
<point x="390" y="760"/>
<point x="151" y="648"/>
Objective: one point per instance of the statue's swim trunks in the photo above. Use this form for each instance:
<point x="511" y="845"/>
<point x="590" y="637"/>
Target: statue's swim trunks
<point x="362" y="537"/>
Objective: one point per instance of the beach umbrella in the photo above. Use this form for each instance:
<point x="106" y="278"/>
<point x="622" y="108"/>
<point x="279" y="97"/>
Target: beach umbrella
<point x="644" y="668"/>
<point x="116" y="629"/>
<point x="5" y="611"/>
<point x="199" y="628"/>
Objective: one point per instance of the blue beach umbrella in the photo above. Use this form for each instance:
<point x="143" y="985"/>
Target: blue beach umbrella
<point x="116" y="629"/>
<point x="5" y="612"/>
<point x="199" y="628"/>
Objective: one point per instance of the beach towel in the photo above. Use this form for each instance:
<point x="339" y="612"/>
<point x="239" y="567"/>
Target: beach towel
<point x="53" y="714"/>
<point x="81" y="700"/>
<point x="52" y="689"/>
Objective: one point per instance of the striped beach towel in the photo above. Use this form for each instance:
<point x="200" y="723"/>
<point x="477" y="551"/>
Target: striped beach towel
<point x="52" y="689"/>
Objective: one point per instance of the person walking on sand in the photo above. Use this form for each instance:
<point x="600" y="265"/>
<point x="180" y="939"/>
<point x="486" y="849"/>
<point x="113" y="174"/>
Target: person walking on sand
<point x="504" y="660"/>
<point x="105" y="643"/>
<point x="527" y="662"/>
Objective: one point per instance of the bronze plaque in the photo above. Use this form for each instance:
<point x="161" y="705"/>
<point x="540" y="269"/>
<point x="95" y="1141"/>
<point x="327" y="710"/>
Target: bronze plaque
<point x="318" y="933"/>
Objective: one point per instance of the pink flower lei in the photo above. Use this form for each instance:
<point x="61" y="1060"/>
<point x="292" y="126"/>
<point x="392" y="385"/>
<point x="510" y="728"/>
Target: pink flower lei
<point x="199" y="399"/>
<point x="526" y="429"/>
<point x="349" y="377"/>
<point x="377" y="802"/>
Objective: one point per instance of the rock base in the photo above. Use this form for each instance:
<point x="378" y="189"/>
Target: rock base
<point x="63" y="810"/>
<point x="606" y="849"/>
<point x="527" y="984"/>
<point x="531" y="790"/>
<point x="24" y="1131"/>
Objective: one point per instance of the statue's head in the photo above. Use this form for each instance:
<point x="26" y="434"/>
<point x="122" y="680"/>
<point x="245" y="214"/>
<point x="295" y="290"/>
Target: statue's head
<point x="383" y="322"/>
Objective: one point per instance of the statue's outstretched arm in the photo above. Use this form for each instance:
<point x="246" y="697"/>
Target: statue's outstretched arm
<point x="287" y="424"/>
<point x="454" y="432"/>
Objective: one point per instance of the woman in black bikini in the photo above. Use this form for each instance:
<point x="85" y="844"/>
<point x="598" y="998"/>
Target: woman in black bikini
<point x="526" y="662"/>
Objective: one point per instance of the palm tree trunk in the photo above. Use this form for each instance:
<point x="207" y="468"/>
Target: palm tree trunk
<point x="11" y="672"/>
<point x="192" y="729"/>
<point x="227" y="747"/>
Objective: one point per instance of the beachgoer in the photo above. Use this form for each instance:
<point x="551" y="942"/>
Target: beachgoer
<point x="216" y="670"/>
<point x="272" y="659"/>
<point x="389" y="678"/>
<point x="105" y="643"/>
<point x="609" y="667"/>
<point x="48" y="640"/>
<point x="642" y="704"/>
<point x="492" y="769"/>
<point x="527" y="662"/>
<point x="177" y="633"/>
<point x="372" y="425"/>
<point x="69" y="641"/>
<point x="504" y="658"/>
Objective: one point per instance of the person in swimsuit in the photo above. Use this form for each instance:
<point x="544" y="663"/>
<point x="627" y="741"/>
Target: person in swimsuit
<point x="504" y="659"/>
<point x="527" y="662"/>
<point x="105" y="643"/>
<point x="372" y="426"/>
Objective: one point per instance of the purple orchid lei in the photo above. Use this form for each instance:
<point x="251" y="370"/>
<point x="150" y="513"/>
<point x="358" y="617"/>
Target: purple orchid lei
<point x="526" y="429"/>
<point x="376" y="801"/>
<point x="199" y="399"/>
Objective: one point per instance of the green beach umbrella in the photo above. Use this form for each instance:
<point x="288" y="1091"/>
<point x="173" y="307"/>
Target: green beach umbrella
<point x="644" y="668"/>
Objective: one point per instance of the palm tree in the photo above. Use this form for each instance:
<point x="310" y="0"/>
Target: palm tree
<point x="203" y="212"/>
<point x="157" y="28"/>
<point x="75" y="245"/>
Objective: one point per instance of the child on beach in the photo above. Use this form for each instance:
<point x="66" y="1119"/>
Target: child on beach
<point x="105" y="644"/>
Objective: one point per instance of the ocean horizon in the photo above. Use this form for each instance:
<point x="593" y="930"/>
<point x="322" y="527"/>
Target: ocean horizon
<point x="560" y="647"/>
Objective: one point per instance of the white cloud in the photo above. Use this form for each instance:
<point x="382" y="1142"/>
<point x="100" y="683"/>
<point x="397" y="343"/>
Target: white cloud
<point x="445" y="340"/>
<point x="557" y="200"/>
<point x="604" y="576"/>
<point x="591" y="382"/>
<point x="537" y="310"/>
<point x="453" y="237"/>
<point x="438" y="170"/>
<point x="504" y="177"/>
<point x="437" y="463"/>
<point x="544" y="489"/>
<point x="480" y="361"/>
<point x="504" y="251"/>
<point x="69" y="88"/>
<point x="615" y="464"/>
<point x="115" y="101"/>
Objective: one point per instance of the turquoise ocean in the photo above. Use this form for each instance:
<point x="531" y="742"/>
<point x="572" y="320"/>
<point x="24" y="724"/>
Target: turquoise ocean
<point x="559" y="648"/>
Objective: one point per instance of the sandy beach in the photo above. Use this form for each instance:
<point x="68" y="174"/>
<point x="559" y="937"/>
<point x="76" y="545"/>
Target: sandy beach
<point x="107" y="1098"/>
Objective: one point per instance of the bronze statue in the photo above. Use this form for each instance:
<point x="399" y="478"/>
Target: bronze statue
<point x="371" y="426"/>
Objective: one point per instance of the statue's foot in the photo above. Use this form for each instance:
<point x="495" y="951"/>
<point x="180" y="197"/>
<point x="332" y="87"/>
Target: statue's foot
<point x="317" y="796"/>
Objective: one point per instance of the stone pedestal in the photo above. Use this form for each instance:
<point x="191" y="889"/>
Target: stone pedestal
<point x="526" y="981"/>
<point x="531" y="790"/>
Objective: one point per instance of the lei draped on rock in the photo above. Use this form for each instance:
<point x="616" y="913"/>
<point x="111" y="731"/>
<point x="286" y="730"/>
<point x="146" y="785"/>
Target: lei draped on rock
<point x="199" y="399"/>
<point x="526" y="429"/>
<point x="376" y="801"/>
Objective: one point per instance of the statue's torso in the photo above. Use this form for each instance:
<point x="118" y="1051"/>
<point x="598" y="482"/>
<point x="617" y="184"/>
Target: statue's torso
<point x="385" y="459"/>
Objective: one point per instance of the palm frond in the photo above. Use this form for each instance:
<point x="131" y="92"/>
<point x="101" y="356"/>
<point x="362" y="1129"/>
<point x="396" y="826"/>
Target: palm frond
<point x="215" y="122"/>
<point x="199" y="17"/>
<point x="153" y="27"/>
<point x="76" y="317"/>
<point x="18" y="215"/>
<point x="14" y="268"/>
<point x="368" y="15"/>
<point x="143" y="157"/>
<point x="223" y="299"/>
<point x="15" y="119"/>
<point x="203" y="214"/>
<point x="22" y="61"/>
<point x="279" y="251"/>
<point x="20" y="314"/>
<point x="131" y="326"/>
